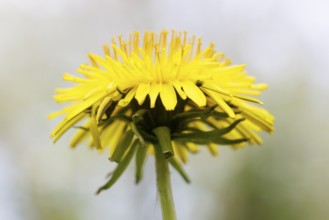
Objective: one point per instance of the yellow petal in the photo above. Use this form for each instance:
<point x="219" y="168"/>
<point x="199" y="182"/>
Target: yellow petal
<point x="213" y="148"/>
<point x="69" y="77"/>
<point x="247" y="133"/>
<point x="77" y="109"/>
<point x="220" y="101"/>
<point x="154" y="92"/>
<point x="250" y="99"/>
<point x="225" y="72"/>
<point x="211" y="85"/>
<point x="245" y="91"/>
<point x="141" y="93"/>
<point x="168" y="97"/>
<point x="261" y="118"/>
<point x="178" y="87"/>
<point x="260" y="86"/>
<point x="55" y="114"/>
<point x="103" y="107"/>
<point x="194" y="93"/>
<point x="95" y="133"/>
<point x="80" y="135"/>
<point x="127" y="99"/>
<point x="64" y="125"/>
<point x="181" y="151"/>
<point x="115" y="135"/>
<point x="100" y="60"/>
<point x="230" y="70"/>
<point x="192" y="147"/>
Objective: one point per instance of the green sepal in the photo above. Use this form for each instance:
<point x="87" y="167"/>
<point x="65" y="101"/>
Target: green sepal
<point x="134" y="128"/>
<point x="164" y="139"/>
<point x="112" y="119"/>
<point x="139" y="116"/>
<point x="148" y="137"/>
<point x="207" y="136"/>
<point x="121" y="167"/>
<point x="220" y="115"/>
<point x="140" y="161"/>
<point x="224" y="141"/>
<point x="120" y="115"/>
<point x="203" y="113"/>
<point x="193" y="114"/>
<point x="179" y="168"/>
<point x="182" y="120"/>
<point x="185" y="125"/>
<point x="123" y="145"/>
<point x="219" y="141"/>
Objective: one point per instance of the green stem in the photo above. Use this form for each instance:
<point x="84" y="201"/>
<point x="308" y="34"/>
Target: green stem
<point x="164" y="185"/>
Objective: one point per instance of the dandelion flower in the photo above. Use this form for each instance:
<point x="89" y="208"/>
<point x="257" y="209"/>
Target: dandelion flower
<point x="161" y="94"/>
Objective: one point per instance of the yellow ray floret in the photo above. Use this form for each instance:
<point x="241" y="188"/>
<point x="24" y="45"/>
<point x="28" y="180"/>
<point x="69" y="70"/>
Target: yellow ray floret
<point x="159" y="67"/>
<point x="167" y="71"/>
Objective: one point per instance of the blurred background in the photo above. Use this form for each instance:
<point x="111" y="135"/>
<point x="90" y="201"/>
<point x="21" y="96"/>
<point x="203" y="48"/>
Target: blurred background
<point x="283" y="42"/>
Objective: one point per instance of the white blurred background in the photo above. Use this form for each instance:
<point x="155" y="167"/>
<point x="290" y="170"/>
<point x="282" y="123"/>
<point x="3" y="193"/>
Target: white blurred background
<point x="283" y="42"/>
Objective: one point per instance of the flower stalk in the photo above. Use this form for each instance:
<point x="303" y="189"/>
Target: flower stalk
<point x="164" y="185"/>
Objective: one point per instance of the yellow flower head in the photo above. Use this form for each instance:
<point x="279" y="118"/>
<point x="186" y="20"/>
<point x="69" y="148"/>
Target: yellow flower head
<point x="161" y="89"/>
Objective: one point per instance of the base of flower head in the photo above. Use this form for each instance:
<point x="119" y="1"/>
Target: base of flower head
<point x="143" y="133"/>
